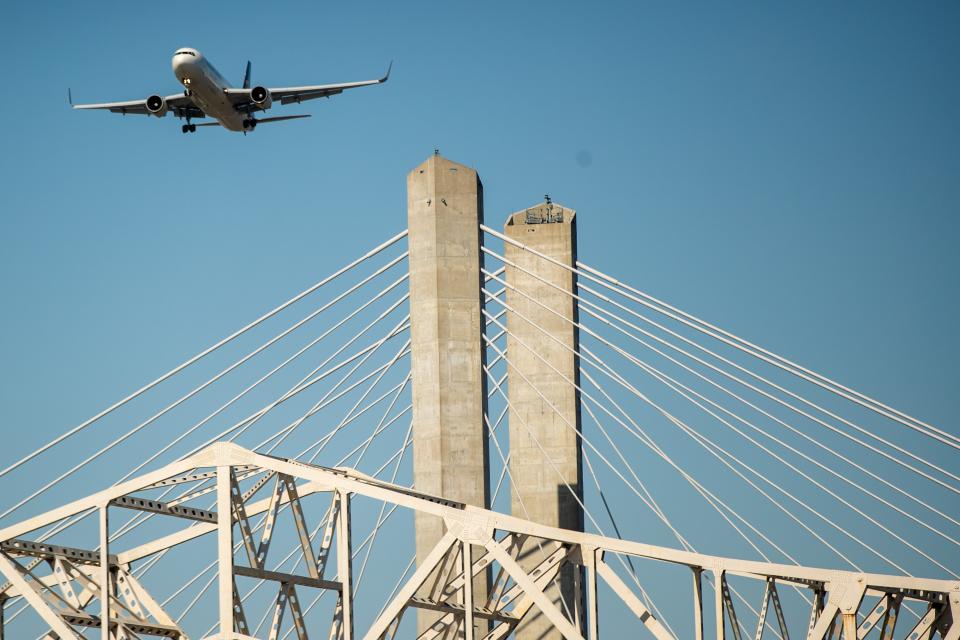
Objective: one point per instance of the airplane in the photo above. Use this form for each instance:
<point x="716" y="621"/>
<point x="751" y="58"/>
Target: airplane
<point x="207" y="93"/>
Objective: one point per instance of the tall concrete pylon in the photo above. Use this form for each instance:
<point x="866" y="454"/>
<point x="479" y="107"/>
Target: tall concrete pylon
<point x="450" y="455"/>
<point x="537" y="382"/>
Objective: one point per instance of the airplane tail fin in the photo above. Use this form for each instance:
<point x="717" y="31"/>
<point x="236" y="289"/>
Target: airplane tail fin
<point x="246" y="76"/>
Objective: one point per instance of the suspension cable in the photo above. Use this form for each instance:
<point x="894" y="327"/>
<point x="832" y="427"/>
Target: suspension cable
<point x="740" y="344"/>
<point x="645" y="399"/>
<point x="587" y="305"/>
<point x="937" y="434"/>
<point x="645" y="366"/>
<point x="202" y="354"/>
<point x="793" y="368"/>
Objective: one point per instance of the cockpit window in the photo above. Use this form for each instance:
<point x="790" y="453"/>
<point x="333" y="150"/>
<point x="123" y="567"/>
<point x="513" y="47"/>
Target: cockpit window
<point x="186" y="53"/>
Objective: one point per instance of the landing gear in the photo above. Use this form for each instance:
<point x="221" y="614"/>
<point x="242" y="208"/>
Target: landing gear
<point x="249" y="124"/>
<point x="189" y="128"/>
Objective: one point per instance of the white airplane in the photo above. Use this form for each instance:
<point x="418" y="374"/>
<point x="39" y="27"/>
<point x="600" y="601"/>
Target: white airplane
<point x="207" y="93"/>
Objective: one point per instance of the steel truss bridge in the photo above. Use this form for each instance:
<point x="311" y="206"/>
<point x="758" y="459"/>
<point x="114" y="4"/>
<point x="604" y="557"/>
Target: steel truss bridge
<point x="262" y="489"/>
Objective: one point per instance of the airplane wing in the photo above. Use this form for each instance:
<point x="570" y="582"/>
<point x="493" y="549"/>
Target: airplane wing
<point x="289" y="95"/>
<point x="179" y="105"/>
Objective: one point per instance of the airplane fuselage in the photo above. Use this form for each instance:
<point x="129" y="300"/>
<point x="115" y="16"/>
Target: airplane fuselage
<point x="208" y="94"/>
<point x="206" y="87"/>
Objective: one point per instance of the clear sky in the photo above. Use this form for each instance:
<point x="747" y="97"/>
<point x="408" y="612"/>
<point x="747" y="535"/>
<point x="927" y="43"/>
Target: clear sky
<point x="788" y="171"/>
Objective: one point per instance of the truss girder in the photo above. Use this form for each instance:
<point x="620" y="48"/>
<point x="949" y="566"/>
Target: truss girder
<point x="440" y="583"/>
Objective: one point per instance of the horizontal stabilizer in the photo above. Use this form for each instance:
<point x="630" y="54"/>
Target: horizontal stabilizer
<point x="279" y="118"/>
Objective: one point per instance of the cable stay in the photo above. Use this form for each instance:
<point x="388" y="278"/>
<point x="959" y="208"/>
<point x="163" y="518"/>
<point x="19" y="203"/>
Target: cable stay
<point x="736" y="342"/>
<point x="203" y="354"/>
<point x="649" y="368"/>
<point x="341" y="394"/>
<point x="791" y="367"/>
<point x="587" y="306"/>
<point x="753" y="441"/>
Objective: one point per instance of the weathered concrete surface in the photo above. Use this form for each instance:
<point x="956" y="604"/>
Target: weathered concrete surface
<point x="538" y="493"/>
<point x="450" y="458"/>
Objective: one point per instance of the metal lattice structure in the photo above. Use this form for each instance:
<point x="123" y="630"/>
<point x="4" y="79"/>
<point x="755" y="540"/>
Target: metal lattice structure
<point x="64" y="585"/>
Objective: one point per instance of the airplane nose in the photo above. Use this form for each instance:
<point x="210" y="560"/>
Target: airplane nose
<point x="184" y="60"/>
<point x="183" y="66"/>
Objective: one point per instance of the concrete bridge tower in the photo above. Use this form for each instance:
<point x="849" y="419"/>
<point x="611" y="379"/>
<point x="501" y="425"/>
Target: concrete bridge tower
<point x="450" y="456"/>
<point x="544" y="406"/>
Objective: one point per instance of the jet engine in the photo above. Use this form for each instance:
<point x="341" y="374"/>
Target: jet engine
<point x="261" y="97"/>
<point x="157" y="106"/>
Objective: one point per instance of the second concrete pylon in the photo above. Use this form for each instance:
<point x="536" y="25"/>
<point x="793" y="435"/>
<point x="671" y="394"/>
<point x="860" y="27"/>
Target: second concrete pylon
<point x="545" y="448"/>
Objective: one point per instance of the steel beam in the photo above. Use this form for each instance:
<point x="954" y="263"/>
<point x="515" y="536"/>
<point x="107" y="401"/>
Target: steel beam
<point x="106" y="588"/>
<point x="345" y="565"/>
<point x="633" y="602"/>
<point x="224" y="550"/>
<point x="286" y="578"/>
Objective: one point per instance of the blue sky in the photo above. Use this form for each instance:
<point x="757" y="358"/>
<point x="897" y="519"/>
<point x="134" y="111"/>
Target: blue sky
<point x="789" y="172"/>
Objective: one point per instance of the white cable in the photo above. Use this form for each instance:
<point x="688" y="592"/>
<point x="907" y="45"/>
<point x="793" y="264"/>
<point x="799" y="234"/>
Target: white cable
<point x="644" y="398"/>
<point x="309" y="345"/>
<point x="387" y="411"/>
<point x="546" y="456"/>
<point x="396" y="587"/>
<point x="65" y="525"/>
<point x="356" y="337"/>
<point x="711" y="447"/>
<point x="602" y="283"/>
<point x="779" y="421"/>
<point x="383" y="506"/>
<point x="650" y="502"/>
<point x="293" y="391"/>
<point x="119" y="440"/>
<point x="506" y="462"/>
<point x="799" y="398"/>
<point x="283" y="433"/>
<point x="799" y="371"/>
<point x="516" y="492"/>
<point x="645" y="366"/>
<point x="346" y="376"/>
<point x="248" y="421"/>
<point x="693" y="434"/>
<point x="587" y="304"/>
<point x="326" y="403"/>
<point x="345" y="391"/>
<point x="202" y="354"/>
<point x="596" y="385"/>
<point x="739" y="343"/>
<point x="400" y="353"/>
<point x="654" y="371"/>
<point x="115" y="442"/>
<point x="711" y="498"/>
<point x="308" y="608"/>
<point x="200" y="493"/>
<point x="793" y="468"/>
<point x="322" y="442"/>
<point x="377" y="432"/>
